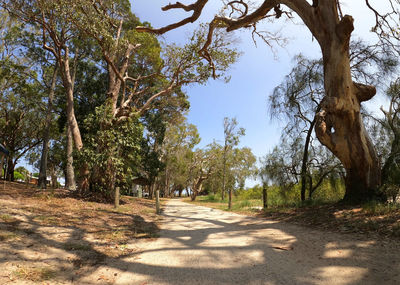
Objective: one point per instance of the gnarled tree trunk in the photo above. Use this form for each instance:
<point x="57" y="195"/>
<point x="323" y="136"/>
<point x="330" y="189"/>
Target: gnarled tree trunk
<point x="339" y="123"/>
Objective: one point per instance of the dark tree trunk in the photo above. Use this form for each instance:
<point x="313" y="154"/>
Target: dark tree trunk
<point x="305" y="161"/>
<point x="265" y="196"/>
<point x="42" y="183"/>
<point x="193" y="196"/>
<point x="179" y="189"/>
<point x="151" y="190"/>
<point x="43" y="162"/>
<point x="10" y="169"/>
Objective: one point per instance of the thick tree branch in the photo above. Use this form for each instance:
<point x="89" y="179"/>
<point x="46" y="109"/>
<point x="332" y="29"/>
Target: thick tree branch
<point x="165" y="91"/>
<point x="345" y="28"/>
<point x="301" y="7"/>
<point x="196" y="7"/>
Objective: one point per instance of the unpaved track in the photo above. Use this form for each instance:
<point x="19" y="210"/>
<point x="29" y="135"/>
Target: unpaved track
<point x="200" y="245"/>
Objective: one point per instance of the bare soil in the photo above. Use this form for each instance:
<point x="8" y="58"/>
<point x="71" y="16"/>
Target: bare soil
<point x="50" y="237"/>
<point x="200" y="245"/>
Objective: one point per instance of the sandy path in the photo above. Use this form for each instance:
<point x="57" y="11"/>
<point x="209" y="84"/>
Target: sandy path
<point x="199" y="245"/>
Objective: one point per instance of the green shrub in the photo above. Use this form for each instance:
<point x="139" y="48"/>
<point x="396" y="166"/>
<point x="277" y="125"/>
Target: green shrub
<point x="18" y="176"/>
<point x="211" y="198"/>
<point x="244" y="204"/>
<point x="250" y="193"/>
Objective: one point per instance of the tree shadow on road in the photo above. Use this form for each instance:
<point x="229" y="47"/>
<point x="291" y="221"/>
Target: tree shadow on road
<point x="198" y="245"/>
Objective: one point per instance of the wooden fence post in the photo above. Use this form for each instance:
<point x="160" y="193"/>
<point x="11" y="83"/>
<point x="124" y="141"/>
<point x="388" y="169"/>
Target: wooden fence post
<point x="158" y="210"/>
<point x="116" y="197"/>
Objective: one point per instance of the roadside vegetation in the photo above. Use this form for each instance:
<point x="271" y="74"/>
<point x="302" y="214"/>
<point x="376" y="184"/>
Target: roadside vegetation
<point x="325" y="212"/>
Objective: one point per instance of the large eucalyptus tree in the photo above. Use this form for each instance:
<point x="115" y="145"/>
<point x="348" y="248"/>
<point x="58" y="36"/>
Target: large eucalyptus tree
<point x="339" y="125"/>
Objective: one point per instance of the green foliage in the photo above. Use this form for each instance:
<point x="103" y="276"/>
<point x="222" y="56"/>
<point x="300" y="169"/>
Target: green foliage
<point x="22" y="170"/>
<point x="328" y="192"/>
<point x="250" y="193"/>
<point x="244" y="204"/>
<point x="112" y="150"/>
<point x="390" y="127"/>
<point x="19" y="176"/>
<point x="191" y="67"/>
<point x="211" y="198"/>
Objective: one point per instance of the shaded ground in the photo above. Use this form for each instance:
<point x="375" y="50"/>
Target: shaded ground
<point x="200" y="245"/>
<point x="49" y="236"/>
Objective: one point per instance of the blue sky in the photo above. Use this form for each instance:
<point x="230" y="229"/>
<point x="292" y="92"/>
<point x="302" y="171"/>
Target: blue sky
<point x="253" y="77"/>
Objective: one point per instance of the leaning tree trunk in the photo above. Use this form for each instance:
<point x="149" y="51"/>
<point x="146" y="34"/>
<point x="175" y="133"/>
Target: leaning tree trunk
<point x="339" y="123"/>
<point x="68" y="78"/>
<point x="193" y="196"/>
<point x="304" y="162"/>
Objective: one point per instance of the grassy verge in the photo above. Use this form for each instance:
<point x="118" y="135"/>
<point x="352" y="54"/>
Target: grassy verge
<point x="371" y="218"/>
<point x="246" y="207"/>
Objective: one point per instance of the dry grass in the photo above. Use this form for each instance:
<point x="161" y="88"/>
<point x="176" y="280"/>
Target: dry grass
<point x="37" y="222"/>
<point x="33" y="274"/>
<point x="342" y="218"/>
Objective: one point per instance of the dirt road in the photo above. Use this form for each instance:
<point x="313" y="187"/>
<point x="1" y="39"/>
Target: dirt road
<point x="199" y="245"/>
